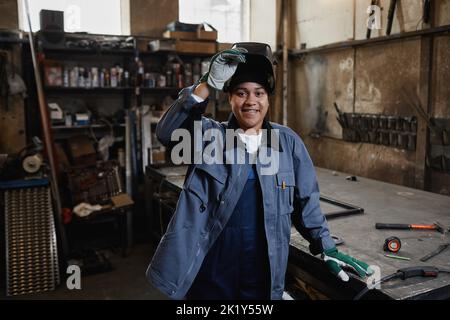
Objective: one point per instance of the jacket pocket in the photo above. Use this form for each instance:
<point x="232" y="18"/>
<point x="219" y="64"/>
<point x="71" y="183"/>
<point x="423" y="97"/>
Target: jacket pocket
<point x="207" y="183"/>
<point x="285" y="191"/>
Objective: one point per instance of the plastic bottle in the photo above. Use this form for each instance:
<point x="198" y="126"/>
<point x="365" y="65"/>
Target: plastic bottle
<point x="107" y="78"/>
<point x="113" y="77"/>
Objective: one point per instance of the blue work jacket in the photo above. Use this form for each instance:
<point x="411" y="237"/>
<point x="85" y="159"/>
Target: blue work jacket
<point x="211" y="191"/>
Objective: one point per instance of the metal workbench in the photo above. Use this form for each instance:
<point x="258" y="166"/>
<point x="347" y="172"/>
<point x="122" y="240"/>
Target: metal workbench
<point x="382" y="202"/>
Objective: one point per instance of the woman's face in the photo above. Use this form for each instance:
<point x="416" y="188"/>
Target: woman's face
<point x="249" y="102"/>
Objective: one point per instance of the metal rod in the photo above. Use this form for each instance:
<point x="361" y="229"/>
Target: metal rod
<point x="349" y="209"/>
<point x="426" y="11"/>
<point x="390" y="16"/>
<point x="357" y="43"/>
<point x="343" y="213"/>
<point x="418" y="109"/>
<point x="339" y="203"/>
<point x="285" y="59"/>
<point x="128" y="174"/>
<point x="48" y="139"/>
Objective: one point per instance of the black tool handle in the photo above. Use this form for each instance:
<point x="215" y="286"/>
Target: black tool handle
<point x="426" y="11"/>
<point x="390" y="19"/>
<point x="418" y="272"/>
<point x="392" y="226"/>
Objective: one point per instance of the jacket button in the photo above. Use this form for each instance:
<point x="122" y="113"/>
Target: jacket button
<point x="202" y="208"/>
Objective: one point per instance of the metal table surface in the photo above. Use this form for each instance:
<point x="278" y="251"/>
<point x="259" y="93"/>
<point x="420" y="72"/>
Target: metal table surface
<point x="382" y="202"/>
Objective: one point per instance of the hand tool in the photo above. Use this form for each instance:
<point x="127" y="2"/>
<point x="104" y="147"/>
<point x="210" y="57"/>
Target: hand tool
<point x="405" y="273"/>
<point x="392" y="244"/>
<point x="402" y="226"/>
<point x="337" y="240"/>
<point x="441" y="248"/>
<point x="397" y="257"/>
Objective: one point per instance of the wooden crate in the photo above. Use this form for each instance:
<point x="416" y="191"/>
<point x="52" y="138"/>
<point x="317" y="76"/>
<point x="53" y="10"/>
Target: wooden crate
<point x="196" y="47"/>
<point x="224" y="46"/>
<point x="184" y="35"/>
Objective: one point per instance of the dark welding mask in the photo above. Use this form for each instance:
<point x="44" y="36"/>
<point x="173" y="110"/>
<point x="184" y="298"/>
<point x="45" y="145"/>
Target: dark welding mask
<point x="258" y="67"/>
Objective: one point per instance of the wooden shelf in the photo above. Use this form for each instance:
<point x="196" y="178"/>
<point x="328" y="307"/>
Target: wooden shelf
<point x="93" y="126"/>
<point x="108" y="89"/>
<point x="166" y="52"/>
<point x="90" y="51"/>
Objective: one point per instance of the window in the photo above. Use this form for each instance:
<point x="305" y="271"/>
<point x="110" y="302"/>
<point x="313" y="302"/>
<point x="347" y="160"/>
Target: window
<point x="98" y="17"/>
<point x="229" y="17"/>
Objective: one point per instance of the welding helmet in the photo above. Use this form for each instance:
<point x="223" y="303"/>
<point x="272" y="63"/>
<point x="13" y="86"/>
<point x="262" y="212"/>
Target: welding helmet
<point x="258" y="67"/>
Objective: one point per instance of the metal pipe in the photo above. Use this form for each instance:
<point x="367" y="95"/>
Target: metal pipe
<point x="426" y="11"/>
<point x="128" y="177"/>
<point x="357" y="43"/>
<point x="48" y="138"/>
<point x="285" y="60"/>
<point x="390" y="19"/>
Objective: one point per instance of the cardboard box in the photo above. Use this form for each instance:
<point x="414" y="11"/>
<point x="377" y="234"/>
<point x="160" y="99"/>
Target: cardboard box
<point x="159" y="156"/>
<point x="223" y="46"/>
<point x="162" y="45"/>
<point x="63" y="160"/>
<point x="180" y="35"/>
<point x="185" y="35"/>
<point x="122" y="200"/>
<point x="207" y="35"/>
<point x="142" y="44"/>
<point x="196" y="47"/>
<point x="82" y="151"/>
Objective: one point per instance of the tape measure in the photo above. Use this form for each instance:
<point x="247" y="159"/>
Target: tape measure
<point x="392" y="244"/>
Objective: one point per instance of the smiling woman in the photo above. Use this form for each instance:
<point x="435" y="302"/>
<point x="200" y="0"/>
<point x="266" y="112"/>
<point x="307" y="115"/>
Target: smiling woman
<point x="239" y="213"/>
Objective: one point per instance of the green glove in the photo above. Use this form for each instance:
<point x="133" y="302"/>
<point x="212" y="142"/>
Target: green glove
<point x="222" y="67"/>
<point x="335" y="260"/>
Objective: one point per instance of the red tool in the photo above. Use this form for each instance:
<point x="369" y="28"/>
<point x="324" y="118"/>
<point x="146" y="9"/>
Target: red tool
<point x="400" y="226"/>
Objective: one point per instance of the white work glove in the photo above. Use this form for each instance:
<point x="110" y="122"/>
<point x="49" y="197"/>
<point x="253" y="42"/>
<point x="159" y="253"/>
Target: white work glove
<point x="222" y="67"/>
<point x="84" y="209"/>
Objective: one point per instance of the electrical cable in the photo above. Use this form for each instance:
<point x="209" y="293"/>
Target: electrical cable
<point x="404" y="274"/>
<point x="382" y="280"/>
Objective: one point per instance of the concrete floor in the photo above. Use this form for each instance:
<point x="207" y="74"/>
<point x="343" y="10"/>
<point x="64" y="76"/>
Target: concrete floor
<point x="126" y="281"/>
